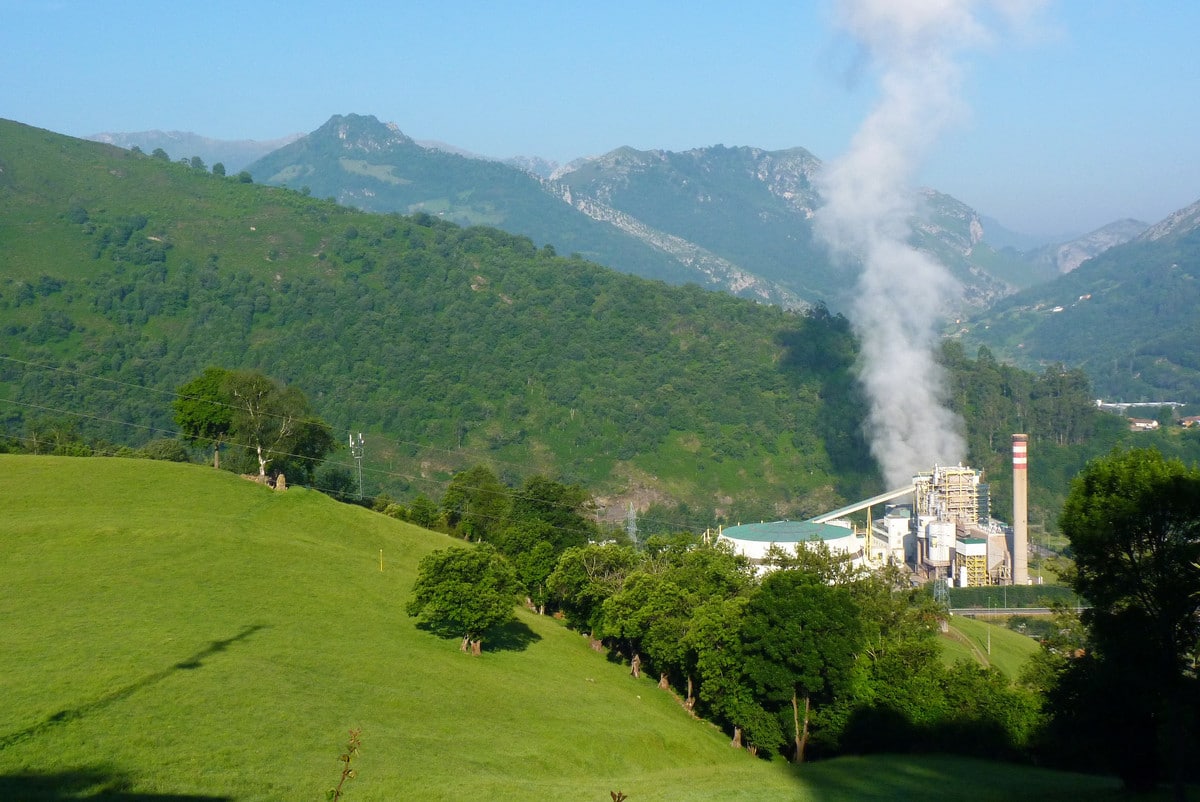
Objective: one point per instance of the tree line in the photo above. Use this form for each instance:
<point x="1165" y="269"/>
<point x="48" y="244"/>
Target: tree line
<point x="817" y="658"/>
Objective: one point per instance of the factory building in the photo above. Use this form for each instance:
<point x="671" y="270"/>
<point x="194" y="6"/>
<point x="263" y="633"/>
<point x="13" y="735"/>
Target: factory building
<point x="945" y="533"/>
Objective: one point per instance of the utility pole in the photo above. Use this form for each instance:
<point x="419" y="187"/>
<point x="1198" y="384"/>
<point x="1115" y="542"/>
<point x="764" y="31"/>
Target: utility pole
<point x="356" y="451"/>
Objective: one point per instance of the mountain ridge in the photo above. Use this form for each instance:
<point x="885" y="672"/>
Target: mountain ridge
<point x="746" y="229"/>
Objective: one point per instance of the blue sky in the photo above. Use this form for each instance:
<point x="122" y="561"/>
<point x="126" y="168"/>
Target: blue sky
<point x="1088" y="113"/>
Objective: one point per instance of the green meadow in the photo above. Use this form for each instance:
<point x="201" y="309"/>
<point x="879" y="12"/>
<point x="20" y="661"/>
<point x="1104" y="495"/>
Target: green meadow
<point x="172" y="632"/>
<point x="987" y="644"/>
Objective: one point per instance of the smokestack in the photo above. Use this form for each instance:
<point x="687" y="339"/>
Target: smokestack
<point x="1020" y="547"/>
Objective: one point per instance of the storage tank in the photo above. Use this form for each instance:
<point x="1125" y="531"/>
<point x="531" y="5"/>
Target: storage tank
<point x="939" y="537"/>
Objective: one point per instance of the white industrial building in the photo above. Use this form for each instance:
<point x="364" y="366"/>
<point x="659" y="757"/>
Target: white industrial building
<point x="946" y="533"/>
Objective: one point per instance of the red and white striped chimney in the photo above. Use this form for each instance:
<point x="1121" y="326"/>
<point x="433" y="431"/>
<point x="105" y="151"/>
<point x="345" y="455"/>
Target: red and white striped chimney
<point x="1020" y="543"/>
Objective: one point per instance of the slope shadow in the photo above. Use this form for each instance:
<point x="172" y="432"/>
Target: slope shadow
<point x="88" y="708"/>
<point x="85" y="783"/>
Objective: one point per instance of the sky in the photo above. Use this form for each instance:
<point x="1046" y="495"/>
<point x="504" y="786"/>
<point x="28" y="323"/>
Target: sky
<point x="1080" y="113"/>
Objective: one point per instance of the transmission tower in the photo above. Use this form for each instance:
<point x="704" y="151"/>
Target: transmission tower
<point x="941" y="591"/>
<point x="631" y="524"/>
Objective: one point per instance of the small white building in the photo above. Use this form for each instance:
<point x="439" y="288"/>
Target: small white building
<point x="892" y="539"/>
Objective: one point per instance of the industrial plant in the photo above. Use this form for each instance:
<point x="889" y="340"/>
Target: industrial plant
<point x="939" y="526"/>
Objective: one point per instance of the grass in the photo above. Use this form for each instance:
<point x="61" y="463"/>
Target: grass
<point x="172" y="630"/>
<point x="968" y="639"/>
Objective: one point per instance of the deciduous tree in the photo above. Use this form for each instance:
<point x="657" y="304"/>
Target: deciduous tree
<point x="801" y="637"/>
<point x="464" y="592"/>
<point x="272" y="422"/>
<point x="1133" y="519"/>
<point x="203" y="412"/>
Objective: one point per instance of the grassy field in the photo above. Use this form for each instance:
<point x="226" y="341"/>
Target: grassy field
<point x="968" y="639"/>
<point x="168" y="631"/>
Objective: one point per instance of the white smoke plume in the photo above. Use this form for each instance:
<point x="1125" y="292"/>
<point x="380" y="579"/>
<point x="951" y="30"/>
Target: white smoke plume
<point x="869" y="200"/>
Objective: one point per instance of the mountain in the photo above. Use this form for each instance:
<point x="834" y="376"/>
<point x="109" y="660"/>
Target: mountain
<point x="122" y="276"/>
<point x="1129" y="316"/>
<point x="732" y="219"/>
<point x="1066" y="256"/>
<point x="368" y="165"/>
<point x="754" y="209"/>
<point x="1000" y="236"/>
<point x="234" y="154"/>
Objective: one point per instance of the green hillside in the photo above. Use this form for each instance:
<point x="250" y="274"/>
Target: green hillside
<point x="127" y="275"/>
<point x="1128" y="317"/>
<point x="987" y="644"/>
<point x="123" y="276"/>
<point x="196" y="633"/>
<point x="171" y="632"/>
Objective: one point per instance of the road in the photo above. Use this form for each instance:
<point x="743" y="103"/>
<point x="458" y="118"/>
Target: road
<point x="986" y="612"/>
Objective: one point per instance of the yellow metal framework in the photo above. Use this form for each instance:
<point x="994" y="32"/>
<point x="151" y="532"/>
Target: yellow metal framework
<point x="948" y="494"/>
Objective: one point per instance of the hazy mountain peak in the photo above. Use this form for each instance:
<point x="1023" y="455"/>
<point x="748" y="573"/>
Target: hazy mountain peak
<point x="363" y="132"/>
<point x="1064" y="257"/>
<point x="1181" y="222"/>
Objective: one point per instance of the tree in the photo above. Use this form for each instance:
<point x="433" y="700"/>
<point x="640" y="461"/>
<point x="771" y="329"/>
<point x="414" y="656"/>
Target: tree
<point x="650" y="615"/>
<point x="475" y="503"/>
<point x="203" y="412"/>
<point x="196" y="163"/>
<point x="801" y="637"/>
<point x="564" y="507"/>
<point x="423" y="512"/>
<point x="587" y="575"/>
<point x="275" y="423"/>
<point x="1133" y="519"/>
<point x="218" y="169"/>
<point x="531" y="550"/>
<point x="714" y="642"/>
<point x="463" y="592"/>
<point x="159" y="153"/>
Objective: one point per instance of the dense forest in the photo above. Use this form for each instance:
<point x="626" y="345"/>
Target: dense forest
<point x="124" y="276"/>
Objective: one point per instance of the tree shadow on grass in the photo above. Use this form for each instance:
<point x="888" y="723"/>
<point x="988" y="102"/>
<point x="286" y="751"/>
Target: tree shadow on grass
<point x="515" y="636"/>
<point x="96" y="705"/>
<point x="85" y="783"/>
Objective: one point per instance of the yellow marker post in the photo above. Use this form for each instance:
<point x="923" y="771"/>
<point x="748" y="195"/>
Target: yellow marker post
<point x="381" y="561"/>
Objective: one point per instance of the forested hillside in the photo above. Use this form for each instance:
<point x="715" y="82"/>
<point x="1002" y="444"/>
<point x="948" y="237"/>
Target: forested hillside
<point x="123" y="276"/>
<point x="1130" y="317"/>
<point x="446" y="346"/>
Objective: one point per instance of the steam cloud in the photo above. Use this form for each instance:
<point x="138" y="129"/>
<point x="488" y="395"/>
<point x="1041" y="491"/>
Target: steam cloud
<point x="869" y="202"/>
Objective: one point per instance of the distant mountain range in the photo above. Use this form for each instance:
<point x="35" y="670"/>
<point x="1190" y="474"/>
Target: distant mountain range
<point x="1130" y="316"/>
<point x="739" y="220"/>
<point x="733" y="219"/>
<point x="1065" y="257"/>
<point x="736" y="219"/>
<point x="234" y="154"/>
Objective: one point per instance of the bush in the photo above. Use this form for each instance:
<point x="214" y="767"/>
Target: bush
<point x="167" y="449"/>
